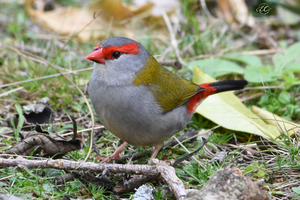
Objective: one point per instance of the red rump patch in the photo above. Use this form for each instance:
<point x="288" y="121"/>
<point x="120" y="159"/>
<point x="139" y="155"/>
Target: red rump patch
<point x="131" y="48"/>
<point x="201" y="95"/>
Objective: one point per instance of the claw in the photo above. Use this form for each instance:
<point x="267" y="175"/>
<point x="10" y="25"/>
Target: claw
<point x="115" y="155"/>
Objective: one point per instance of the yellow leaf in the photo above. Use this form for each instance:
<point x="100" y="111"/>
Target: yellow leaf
<point x="226" y="110"/>
<point x="284" y="126"/>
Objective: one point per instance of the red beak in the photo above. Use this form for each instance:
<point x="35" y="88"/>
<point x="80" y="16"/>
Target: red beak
<point x="97" y="56"/>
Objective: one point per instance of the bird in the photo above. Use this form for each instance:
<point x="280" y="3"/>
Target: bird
<point x="140" y="101"/>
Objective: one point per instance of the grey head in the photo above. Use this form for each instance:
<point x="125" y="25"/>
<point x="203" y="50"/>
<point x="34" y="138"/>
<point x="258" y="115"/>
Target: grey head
<point x="123" y="58"/>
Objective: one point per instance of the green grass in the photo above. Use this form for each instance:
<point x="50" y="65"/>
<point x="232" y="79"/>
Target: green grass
<point x="276" y="163"/>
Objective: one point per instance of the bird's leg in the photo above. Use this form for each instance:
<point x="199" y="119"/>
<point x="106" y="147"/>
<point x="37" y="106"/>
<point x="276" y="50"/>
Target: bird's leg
<point x="116" y="154"/>
<point x="156" y="150"/>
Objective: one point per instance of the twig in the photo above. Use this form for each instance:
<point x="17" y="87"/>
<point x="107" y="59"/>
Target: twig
<point x="102" y="180"/>
<point x="73" y="165"/>
<point x="204" y="141"/>
<point x="189" y="153"/>
<point x="263" y="87"/>
<point x="11" y="91"/>
<point x="187" y="136"/>
<point x="33" y="49"/>
<point x="203" y="5"/>
<point x="134" y="183"/>
<point x="173" y="38"/>
<point x="6" y="177"/>
<point x="255" y="96"/>
<point x="199" y="133"/>
<point x="255" y="52"/>
<point x="261" y="52"/>
<point x="173" y="63"/>
<point x="74" y="127"/>
<point x="83" y="130"/>
<point x="66" y="177"/>
<point x="167" y="173"/>
<point x="44" y="77"/>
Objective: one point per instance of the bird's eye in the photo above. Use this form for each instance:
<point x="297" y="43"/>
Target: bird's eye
<point x="116" y="54"/>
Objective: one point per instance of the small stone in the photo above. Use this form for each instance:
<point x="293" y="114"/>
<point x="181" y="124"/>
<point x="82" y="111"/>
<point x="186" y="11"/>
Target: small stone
<point x="144" y="192"/>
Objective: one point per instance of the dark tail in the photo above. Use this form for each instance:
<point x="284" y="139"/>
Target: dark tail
<point x="207" y="89"/>
<point x="223" y="86"/>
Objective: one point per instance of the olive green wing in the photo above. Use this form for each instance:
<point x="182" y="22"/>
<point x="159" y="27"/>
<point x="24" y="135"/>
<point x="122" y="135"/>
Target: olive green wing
<point x="170" y="90"/>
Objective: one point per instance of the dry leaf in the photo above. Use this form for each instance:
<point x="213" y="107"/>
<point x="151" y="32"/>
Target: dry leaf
<point x="284" y="126"/>
<point x="235" y="12"/>
<point x="39" y="113"/>
<point x="110" y="16"/>
<point x="38" y="141"/>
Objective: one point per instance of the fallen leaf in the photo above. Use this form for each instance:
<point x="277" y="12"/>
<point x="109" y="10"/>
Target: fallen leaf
<point x="284" y="126"/>
<point x="39" y="113"/>
<point x="39" y="140"/>
<point x="286" y="14"/>
<point x="110" y="16"/>
<point x="235" y="12"/>
<point x="227" y="110"/>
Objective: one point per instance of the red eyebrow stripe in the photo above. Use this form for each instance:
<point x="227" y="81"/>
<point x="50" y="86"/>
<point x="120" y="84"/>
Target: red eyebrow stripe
<point x="131" y="48"/>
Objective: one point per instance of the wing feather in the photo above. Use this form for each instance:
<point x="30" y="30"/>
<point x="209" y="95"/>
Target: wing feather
<point x="170" y="90"/>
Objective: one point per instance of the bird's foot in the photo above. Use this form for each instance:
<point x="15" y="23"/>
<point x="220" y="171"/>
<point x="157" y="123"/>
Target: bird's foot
<point x="156" y="150"/>
<point x="115" y="155"/>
